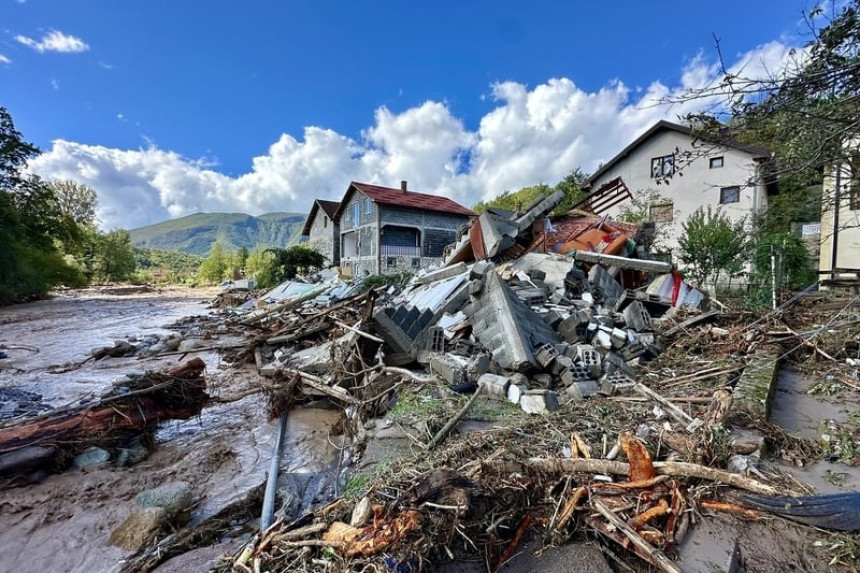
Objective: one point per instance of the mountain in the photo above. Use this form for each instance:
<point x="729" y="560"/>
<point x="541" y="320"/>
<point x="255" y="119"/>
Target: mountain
<point x="197" y="233"/>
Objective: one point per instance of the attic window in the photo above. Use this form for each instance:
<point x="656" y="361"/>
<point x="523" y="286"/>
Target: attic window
<point x="663" y="166"/>
<point x="325" y="220"/>
<point x="368" y="206"/>
<point x="356" y="214"/>
<point x="715" y="163"/>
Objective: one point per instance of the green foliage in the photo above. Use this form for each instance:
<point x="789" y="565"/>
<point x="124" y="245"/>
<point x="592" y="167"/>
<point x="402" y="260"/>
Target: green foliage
<point x="214" y="268"/>
<point x="113" y="258"/>
<point x="385" y="280"/>
<point x="166" y="266"/>
<point x="791" y="261"/>
<point x="14" y="152"/>
<point x="570" y="186"/>
<point x="262" y="265"/>
<point x="712" y="247"/>
<point x="298" y="259"/>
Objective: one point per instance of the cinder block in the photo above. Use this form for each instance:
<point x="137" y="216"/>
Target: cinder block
<point x="495" y="386"/>
<point x="637" y="317"/>
<point x="573" y="375"/>
<point x="590" y="358"/>
<point x="539" y="401"/>
<point x="581" y="389"/>
<point x="545" y="355"/>
<point x="449" y="368"/>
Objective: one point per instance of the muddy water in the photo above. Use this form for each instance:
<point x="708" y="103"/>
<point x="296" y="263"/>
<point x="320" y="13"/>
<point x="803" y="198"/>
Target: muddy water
<point x="806" y="415"/>
<point x="63" y="523"/>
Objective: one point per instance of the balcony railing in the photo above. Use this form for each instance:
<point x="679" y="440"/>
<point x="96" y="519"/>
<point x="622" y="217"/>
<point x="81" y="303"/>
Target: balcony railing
<point x="396" y="251"/>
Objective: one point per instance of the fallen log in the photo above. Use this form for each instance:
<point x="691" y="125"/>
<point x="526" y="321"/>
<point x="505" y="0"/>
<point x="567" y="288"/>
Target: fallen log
<point x="678" y="469"/>
<point x="136" y="407"/>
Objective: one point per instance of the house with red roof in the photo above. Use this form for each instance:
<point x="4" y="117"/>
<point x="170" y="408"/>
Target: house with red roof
<point x="322" y="230"/>
<point x="383" y="229"/>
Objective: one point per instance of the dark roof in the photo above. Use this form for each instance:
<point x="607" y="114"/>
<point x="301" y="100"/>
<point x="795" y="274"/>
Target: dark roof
<point x="328" y="207"/>
<point x="662" y="125"/>
<point x="409" y="200"/>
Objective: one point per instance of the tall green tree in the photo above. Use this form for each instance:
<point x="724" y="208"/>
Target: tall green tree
<point x="262" y="265"/>
<point x="114" y="256"/>
<point x="214" y="268"/>
<point x="297" y="259"/>
<point x="712" y="247"/>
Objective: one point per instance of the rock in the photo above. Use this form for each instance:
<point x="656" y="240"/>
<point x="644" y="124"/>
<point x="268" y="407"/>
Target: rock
<point x="494" y="386"/>
<point x="539" y="401"/>
<point x="515" y="392"/>
<point x="173" y="497"/>
<point x="477" y="366"/>
<point x="139" y="530"/>
<point x="362" y="512"/>
<point x="90" y="457"/>
<point x="450" y="368"/>
<point x="134" y="452"/>
<point x="190" y="344"/>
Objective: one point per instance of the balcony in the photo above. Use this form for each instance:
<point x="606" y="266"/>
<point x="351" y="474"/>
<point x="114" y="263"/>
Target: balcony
<point x="398" y="251"/>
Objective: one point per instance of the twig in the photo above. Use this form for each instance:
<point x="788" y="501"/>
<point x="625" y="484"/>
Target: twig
<point x="658" y="558"/>
<point x="690" y="424"/>
<point x="359" y="332"/>
<point x="443" y="433"/>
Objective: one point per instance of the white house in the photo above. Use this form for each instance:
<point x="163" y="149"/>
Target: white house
<point x="840" y="220"/>
<point x="673" y="173"/>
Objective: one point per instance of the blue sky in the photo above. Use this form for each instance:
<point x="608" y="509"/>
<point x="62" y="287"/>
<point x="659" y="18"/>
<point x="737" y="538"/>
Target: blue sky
<point x="169" y="108"/>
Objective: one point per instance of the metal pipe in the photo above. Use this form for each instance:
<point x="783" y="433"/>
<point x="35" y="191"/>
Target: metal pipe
<point x="272" y="481"/>
<point x="834" y="242"/>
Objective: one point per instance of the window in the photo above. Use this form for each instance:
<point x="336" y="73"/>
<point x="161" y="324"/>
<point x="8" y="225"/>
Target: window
<point x="356" y="214"/>
<point x="730" y="194"/>
<point x="390" y="262"/>
<point x="663" y="166"/>
<point x="416" y="263"/>
<point x="716" y="162"/>
<point x="368" y="206"/>
<point x="325" y="221"/>
<point x="661" y="213"/>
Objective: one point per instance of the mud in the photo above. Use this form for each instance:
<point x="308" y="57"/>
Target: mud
<point x="63" y="523"/>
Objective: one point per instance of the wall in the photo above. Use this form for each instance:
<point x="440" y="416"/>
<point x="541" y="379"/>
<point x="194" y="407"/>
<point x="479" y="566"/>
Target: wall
<point x="325" y="238"/>
<point x="848" y="241"/>
<point x="699" y="185"/>
<point x="363" y="262"/>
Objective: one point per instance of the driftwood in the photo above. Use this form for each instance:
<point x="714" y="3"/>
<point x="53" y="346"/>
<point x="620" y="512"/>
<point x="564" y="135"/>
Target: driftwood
<point x="656" y="556"/>
<point x="681" y="469"/>
<point x="443" y="433"/>
<point x="177" y="394"/>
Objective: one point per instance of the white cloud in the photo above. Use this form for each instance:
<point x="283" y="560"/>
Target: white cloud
<point x="55" y="41"/>
<point x="5" y="60"/>
<point x="55" y="84"/>
<point x="532" y="135"/>
<point x="105" y="65"/>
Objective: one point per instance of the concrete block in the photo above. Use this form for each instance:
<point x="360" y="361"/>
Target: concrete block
<point x="532" y="296"/>
<point x="573" y="328"/>
<point x="545" y="356"/>
<point x="552" y="319"/>
<point x="602" y="338"/>
<point x="519" y="378"/>
<point x="637" y="317"/>
<point x="576" y="283"/>
<point x="448" y="367"/>
<point x="604" y="283"/>
<point x="537" y="275"/>
<point x="590" y="358"/>
<point x="632" y="351"/>
<point x="475" y="287"/>
<point x="480" y="269"/>
<point x="581" y="389"/>
<point x="613" y="362"/>
<point x="478" y="365"/>
<point x="495" y="386"/>
<point x="515" y="391"/>
<point x="560" y="364"/>
<point x="574" y="375"/>
<point x="619" y="337"/>
<point x="539" y="401"/>
<point x="542" y="380"/>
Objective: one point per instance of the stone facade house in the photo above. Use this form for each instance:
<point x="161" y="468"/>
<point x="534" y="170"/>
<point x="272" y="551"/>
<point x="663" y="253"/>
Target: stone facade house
<point x="671" y="173"/>
<point x="322" y="230"/>
<point x="386" y="230"/>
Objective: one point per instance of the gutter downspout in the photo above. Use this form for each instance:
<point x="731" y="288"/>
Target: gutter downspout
<point x="835" y="241"/>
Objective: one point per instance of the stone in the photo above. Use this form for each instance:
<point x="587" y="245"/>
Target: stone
<point x="361" y="513"/>
<point x="173" y="497"/>
<point x="450" y="368"/>
<point x="581" y="389"/>
<point x="190" y="344"/>
<point x="539" y="401"/>
<point x="134" y="452"/>
<point x="515" y="391"/>
<point x="139" y="530"/>
<point x="478" y="365"/>
<point x="91" y="457"/>
<point x="494" y="386"/>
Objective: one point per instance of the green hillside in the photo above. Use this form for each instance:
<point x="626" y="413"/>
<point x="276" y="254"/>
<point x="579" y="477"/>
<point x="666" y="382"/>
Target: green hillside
<point x="197" y="233"/>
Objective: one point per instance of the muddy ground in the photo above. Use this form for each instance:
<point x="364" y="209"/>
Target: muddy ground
<point x="63" y="523"/>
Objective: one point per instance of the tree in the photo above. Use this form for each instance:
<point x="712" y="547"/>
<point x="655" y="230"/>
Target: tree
<point x="297" y="259"/>
<point x="214" y="268"/>
<point x="262" y="265"/>
<point x="570" y="186"/>
<point x="14" y="152"/>
<point x="76" y="201"/>
<point x="712" y="247"/>
<point x="806" y="113"/>
<point x="114" y="256"/>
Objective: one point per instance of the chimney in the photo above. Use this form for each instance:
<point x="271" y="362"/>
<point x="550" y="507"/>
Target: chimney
<point x="403" y="186"/>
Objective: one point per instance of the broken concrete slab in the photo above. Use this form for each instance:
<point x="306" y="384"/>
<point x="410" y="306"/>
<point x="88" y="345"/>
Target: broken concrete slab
<point x="507" y="327"/>
<point x="539" y="401"/>
<point x="494" y="385"/>
<point x="449" y="367"/>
